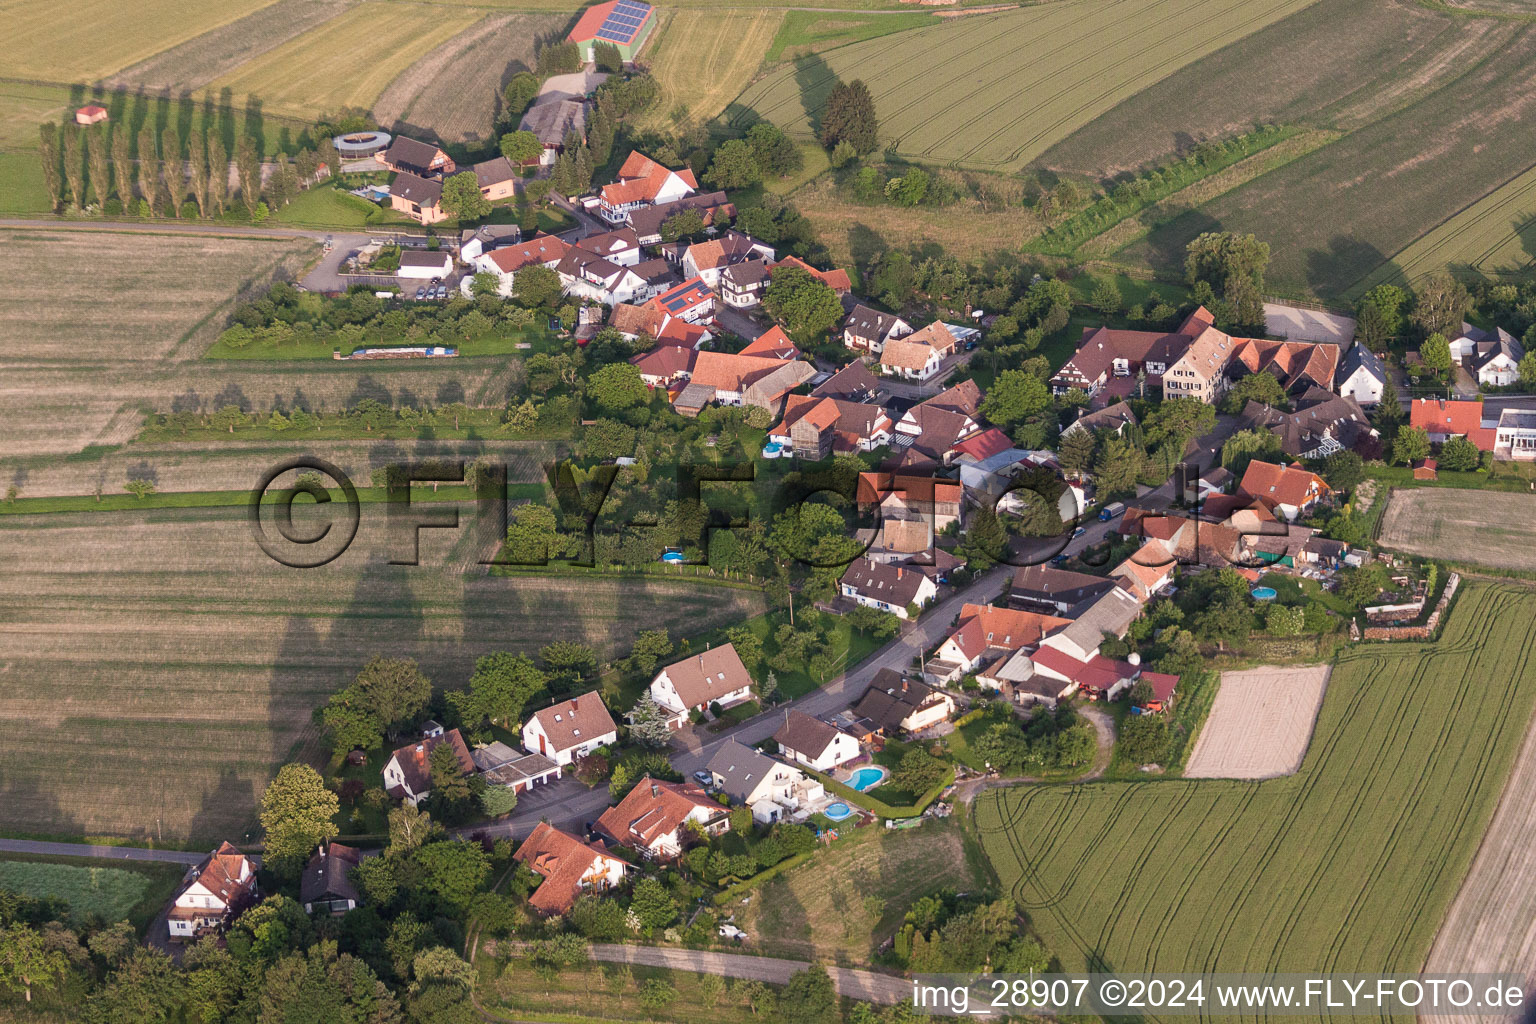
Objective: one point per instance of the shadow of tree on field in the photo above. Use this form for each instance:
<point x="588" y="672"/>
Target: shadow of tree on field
<point x="816" y="80"/>
<point x="865" y="245"/>
<point x="1346" y="259"/>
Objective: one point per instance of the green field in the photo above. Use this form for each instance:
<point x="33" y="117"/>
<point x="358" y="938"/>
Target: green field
<point x="806" y="32"/>
<point x="701" y="59"/>
<point x="996" y="90"/>
<point x="91" y="892"/>
<point x="1346" y="866"/>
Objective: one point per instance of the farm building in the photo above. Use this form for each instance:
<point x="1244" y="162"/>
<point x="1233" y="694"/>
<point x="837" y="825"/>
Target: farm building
<point x="425" y="265"/>
<point x="90" y="114"/>
<point x="626" y="24"/>
<point x="361" y="145"/>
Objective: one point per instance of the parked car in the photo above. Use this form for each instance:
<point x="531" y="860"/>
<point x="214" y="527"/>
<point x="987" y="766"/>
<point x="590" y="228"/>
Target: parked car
<point x="970" y="346"/>
<point x="419" y="293"/>
<point x="442" y="291"/>
<point x="703" y="777"/>
<point x="1079" y="532"/>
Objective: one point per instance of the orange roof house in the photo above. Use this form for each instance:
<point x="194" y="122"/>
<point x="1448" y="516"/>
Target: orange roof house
<point x="772" y="342"/>
<point x="408" y="772"/>
<point x="984" y="628"/>
<point x="643" y="182"/>
<point x="90" y="114"/>
<point x="1445" y="418"/>
<point x="1289" y="489"/>
<point x="837" y="280"/>
<point x="569" y="867"/>
<point x="650" y="819"/>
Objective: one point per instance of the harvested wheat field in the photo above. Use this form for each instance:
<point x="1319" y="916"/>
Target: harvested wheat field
<point x="454" y="92"/>
<point x="157" y="667"/>
<point x="201" y="59"/>
<point x="1260" y="724"/>
<point x="346" y="61"/>
<point x="90" y="39"/>
<point x="703" y="59"/>
<point x="1486" y="527"/>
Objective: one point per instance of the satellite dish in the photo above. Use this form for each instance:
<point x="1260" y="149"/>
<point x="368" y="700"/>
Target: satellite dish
<point x="1134" y="658"/>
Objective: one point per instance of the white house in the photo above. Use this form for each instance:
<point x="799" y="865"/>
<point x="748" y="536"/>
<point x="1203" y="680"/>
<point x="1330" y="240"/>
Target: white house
<point x="715" y="677"/>
<point x="505" y="262"/>
<point x="1493" y="357"/>
<point x="408" y="772"/>
<point x="424" y="265"/>
<point x="1361" y="376"/>
<point x="772" y="789"/>
<point x="710" y="259"/>
<point x="571" y="729"/>
<point x="814" y="743"/>
<point x="886" y="587"/>
<point x="642" y="182"/>
<point x="653" y="819"/>
<point x="212" y="893"/>
<point x="568" y="866"/>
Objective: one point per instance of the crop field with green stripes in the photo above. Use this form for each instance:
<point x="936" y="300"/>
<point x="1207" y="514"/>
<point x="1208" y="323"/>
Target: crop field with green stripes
<point x="1348" y="865"/>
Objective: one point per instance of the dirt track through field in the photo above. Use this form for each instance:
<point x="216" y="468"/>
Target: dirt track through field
<point x="1260" y="724"/>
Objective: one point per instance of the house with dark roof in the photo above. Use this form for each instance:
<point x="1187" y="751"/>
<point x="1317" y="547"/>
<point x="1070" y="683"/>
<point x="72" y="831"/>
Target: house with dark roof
<point x="326" y="884"/>
<point x="1117" y="419"/>
<point x="1321" y="424"/>
<point x="818" y="745"/>
<point x="1491" y="357"/>
<point x="715" y="677"/>
<point x="418" y="198"/>
<point x="853" y="383"/>
<point x="814" y="428"/>
<point x="647" y="220"/>
<point x="888" y="588"/>
<point x="212" y="894"/>
<point x="867" y="329"/>
<point x="497" y="178"/>
<point x="568" y="866"/>
<point x="422" y="159"/>
<point x="551" y="121"/>
<point x="773" y="790"/>
<point x="1361" y="376"/>
<point x="501" y="765"/>
<point x="653" y="818"/>
<point x="1044" y="588"/>
<point x="710" y="259"/>
<point x="894" y="705"/>
<point x="408" y="772"/>
<point x="570" y="729"/>
<point x="664" y="365"/>
<point x="933" y="429"/>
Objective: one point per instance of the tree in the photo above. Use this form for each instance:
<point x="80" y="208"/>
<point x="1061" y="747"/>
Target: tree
<point x="601" y="129"/>
<point x="409" y="828"/>
<point x="1246" y="446"/>
<point x="607" y="57"/>
<point x="806" y="306"/>
<point x="48" y="153"/>
<point x="1075" y="451"/>
<point x="1343" y="470"/>
<point x="453" y="870"/>
<point x="985" y="538"/>
<point x="74" y="164"/>
<point x="568" y="659"/>
<point x="394" y="690"/>
<point x="197" y="154"/>
<point x="656" y="994"/>
<point x="651" y="646"/>
<point x="175" y="172"/>
<point x="1143" y="739"/>
<point x="122" y="166"/>
<point x="1389" y="411"/>
<point x="732" y="167"/>
<point x="139" y="487"/>
<point x="462" y="197"/>
<point x="1359" y="586"/>
<point x="1528" y="370"/>
<point x="1261" y="387"/>
<point x="296" y="812"/>
<point x="218" y="175"/>
<point x="27" y="963"/>
<point x="1379" y="316"/>
<point x="1013" y="397"/>
<point x="775" y="153"/>
<point x="248" y="169"/>
<point x="618" y="386"/>
<point x="450" y="784"/>
<point x="1233" y="266"/>
<point x="149" y="168"/>
<point x="501" y="686"/>
<point x="1282" y="621"/>
<point x="521" y="147"/>
<point x="687" y="224"/>
<point x="648" y="723"/>
<point x="652" y="904"/>
<point x="1441" y="304"/>
<point x="98" y="155"/>
<point x="1117" y="466"/>
<point x="918" y="772"/>
<point x="1435" y="353"/>
<point x="520" y="93"/>
<point x="809" y="998"/>
<point x="849" y="116"/>
<point x="537" y="287"/>
<point x="1459" y="454"/>
<point x="1106" y="298"/>
<point x="1410" y="445"/>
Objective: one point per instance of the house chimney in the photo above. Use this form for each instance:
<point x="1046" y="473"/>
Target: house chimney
<point x="899" y="572"/>
<point x="655" y="791"/>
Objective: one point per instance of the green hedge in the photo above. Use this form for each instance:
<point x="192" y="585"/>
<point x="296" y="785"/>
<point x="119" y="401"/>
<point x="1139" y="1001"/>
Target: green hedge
<point x="1402" y="476"/>
<point x="881" y="808"/>
<point x="724" y="896"/>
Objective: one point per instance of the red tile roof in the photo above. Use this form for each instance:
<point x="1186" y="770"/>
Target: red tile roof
<point x="541" y="249"/>
<point x="1446" y="416"/>
<point x="652" y="810"/>
<point x="641" y="180"/>
<point x="415" y="759"/>
<point x="984" y="445"/>
<point x="837" y="280"/>
<point x="571" y="723"/>
<point x="563" y="860"/>
<point x="772" y="342"/>
<point x="983" y="626"/>
<point x="1281" y="484"/>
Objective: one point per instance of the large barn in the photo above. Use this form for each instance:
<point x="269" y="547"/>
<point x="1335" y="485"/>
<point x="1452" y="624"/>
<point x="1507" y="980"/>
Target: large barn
<point x="624" y="23"/>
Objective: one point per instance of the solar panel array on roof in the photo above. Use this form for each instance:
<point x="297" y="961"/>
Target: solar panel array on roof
<point x="627" y="17"/>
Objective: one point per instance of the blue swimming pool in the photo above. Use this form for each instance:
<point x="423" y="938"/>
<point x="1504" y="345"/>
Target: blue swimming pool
<point x="1263" y="593"/>
<point x="837" y="811"/>
<point x="673" y="558"/>
<point x="866" y="778"/>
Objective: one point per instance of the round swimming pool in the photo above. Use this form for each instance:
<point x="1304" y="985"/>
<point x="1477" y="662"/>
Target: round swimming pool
<point x="837" y="811"/>
<point x="772" y="450"/>
<point x="867" y="778"/>
<point x="673" y="558"/>
<point x="1263" y="593"/>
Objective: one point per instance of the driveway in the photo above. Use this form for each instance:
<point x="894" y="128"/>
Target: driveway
<point x="738" y="322"/>
<point x="566" y="804"/>
<point x="867" y="986"/>
<point x="574" y="86"/>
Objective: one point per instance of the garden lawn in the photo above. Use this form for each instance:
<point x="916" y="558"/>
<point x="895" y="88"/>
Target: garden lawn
<point x="94" y="891"/>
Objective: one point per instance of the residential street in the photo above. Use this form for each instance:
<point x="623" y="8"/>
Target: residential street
<point x="103" y="852"/>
